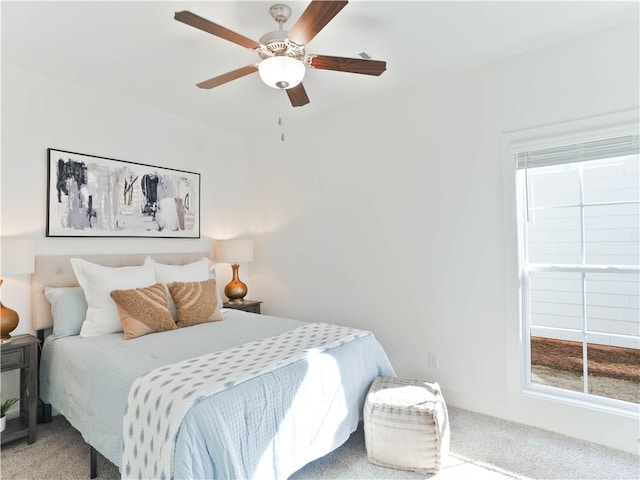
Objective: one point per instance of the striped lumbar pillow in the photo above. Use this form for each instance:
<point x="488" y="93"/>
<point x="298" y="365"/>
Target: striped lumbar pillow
<point x="143" y="310"/>
<point x="196" y="302"/>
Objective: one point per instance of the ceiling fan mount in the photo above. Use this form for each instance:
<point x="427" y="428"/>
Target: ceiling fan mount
<point x="283" y="59"/>
<point x="280" y="12"/>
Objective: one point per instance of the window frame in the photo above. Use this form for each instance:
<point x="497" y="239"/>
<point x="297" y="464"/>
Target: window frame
<point x="586" y="130"/>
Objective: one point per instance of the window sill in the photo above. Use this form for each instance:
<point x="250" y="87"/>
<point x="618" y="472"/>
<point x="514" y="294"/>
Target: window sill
<point x="583" y="400"/>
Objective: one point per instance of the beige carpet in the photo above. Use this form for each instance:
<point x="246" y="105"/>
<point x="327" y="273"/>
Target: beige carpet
<point x="482" y="448"/>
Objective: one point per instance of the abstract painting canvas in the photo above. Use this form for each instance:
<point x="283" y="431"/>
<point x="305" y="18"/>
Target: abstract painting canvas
<point x="91" y="196"/>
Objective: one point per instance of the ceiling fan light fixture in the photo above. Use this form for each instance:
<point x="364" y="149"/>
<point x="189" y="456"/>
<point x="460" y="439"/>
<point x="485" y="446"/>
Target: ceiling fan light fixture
<point x="281" y="71"/>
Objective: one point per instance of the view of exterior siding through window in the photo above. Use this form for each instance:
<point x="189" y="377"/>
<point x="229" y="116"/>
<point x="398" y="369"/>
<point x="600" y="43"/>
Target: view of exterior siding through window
<point x="581" y="257"/>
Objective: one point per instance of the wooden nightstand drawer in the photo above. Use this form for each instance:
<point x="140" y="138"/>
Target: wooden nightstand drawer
<point x="14" y="359"/>
<point x="21" y="353"/>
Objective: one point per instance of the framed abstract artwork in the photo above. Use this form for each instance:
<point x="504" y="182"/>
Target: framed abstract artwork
<point x="91" y="196"/>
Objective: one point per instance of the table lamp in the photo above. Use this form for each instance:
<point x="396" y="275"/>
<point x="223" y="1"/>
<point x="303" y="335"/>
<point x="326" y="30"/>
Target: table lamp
<point x="17" y="258"/>
<point x="234" y="251"/>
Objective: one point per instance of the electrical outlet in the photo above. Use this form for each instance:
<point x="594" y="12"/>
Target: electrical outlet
<point x="433" y="360"/>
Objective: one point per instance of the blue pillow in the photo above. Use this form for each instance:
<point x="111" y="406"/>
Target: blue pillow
<point x="68" y="309"/>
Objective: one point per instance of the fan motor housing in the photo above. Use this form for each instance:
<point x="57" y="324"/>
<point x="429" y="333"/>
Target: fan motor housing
<point x="277" y="43"/>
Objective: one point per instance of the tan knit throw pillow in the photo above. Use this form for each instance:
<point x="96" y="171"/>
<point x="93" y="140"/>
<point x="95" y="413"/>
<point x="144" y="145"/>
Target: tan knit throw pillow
<point x="143" y="310"/>
<point x="196" y="302"/>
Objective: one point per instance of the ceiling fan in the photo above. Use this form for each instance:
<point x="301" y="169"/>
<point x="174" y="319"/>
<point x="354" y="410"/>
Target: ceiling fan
<point x="284" y="60"/>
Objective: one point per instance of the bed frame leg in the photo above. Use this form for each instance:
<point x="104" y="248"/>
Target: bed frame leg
<point x="94" y="463"/>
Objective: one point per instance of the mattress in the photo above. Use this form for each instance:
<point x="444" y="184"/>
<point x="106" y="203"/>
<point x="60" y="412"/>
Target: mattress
<point x="259" y="428"/>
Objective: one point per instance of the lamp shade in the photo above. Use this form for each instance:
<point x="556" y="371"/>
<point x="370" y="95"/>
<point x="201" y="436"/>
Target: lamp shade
<point x="17" y="256"/>
<point x="281" y="71"/>
<point x="234" y="251"/>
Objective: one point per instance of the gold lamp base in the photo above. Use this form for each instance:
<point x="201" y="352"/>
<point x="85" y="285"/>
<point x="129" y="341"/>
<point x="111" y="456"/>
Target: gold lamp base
<point x="8" y="322"/>
<point x="235" y="290"/>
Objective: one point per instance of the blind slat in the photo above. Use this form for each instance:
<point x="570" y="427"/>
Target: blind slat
<point x="580" y="152"/>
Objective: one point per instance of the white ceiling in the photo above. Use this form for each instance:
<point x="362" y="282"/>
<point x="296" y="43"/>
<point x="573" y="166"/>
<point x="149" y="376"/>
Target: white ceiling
<point x="136" y="50"/>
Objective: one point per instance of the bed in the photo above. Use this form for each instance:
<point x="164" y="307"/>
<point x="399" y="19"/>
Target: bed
<point x="281" y="406"/>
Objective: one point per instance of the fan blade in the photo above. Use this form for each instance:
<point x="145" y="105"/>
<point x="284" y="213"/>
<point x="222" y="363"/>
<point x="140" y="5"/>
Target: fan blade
<point x="227" y="77"/>
<point x="298" y="96"/>
<point x="206" y="26"/>
<point x="314" y="19"/>
<point x="343" y="64"/>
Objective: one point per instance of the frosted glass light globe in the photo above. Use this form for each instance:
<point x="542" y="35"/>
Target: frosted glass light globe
<point x="281" y="71"/>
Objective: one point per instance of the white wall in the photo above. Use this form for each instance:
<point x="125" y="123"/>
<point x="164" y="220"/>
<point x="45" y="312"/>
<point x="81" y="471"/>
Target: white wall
<point x="387" y="217"/>
<point x="40" y="112"/>
<point x="390" y="217"/>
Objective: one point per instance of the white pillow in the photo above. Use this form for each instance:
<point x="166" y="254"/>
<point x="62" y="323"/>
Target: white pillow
<point x="98" y="281"/>
<point x="198" y="271"/>
<point x="212" y="274"/>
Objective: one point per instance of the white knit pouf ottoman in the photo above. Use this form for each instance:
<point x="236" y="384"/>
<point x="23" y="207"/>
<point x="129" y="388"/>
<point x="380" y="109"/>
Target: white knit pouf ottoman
<point x="406" y="425"/>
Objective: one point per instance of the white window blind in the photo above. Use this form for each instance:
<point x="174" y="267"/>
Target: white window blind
<point x="580" y="152"/>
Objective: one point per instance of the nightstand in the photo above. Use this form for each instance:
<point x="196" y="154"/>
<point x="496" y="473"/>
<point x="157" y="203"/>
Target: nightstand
<point x="252" y="306"/>
<point x="21" y="352"/>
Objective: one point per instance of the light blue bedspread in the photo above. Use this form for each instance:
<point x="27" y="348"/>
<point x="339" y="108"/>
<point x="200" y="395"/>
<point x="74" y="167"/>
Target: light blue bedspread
<point x="267" y="427"/>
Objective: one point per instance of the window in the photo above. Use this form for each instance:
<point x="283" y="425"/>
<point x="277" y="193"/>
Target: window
<point x="579" y="211"/>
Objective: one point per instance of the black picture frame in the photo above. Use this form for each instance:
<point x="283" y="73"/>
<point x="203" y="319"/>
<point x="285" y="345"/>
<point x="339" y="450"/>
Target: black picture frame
<point x="93" y="196"/>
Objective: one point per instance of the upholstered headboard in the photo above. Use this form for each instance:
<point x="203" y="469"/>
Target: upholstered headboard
<point x="56" y="271"/>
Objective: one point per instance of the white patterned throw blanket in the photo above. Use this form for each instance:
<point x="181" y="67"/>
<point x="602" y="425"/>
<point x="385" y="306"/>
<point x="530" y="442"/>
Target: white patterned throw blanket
<point x="159" y="400"/>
